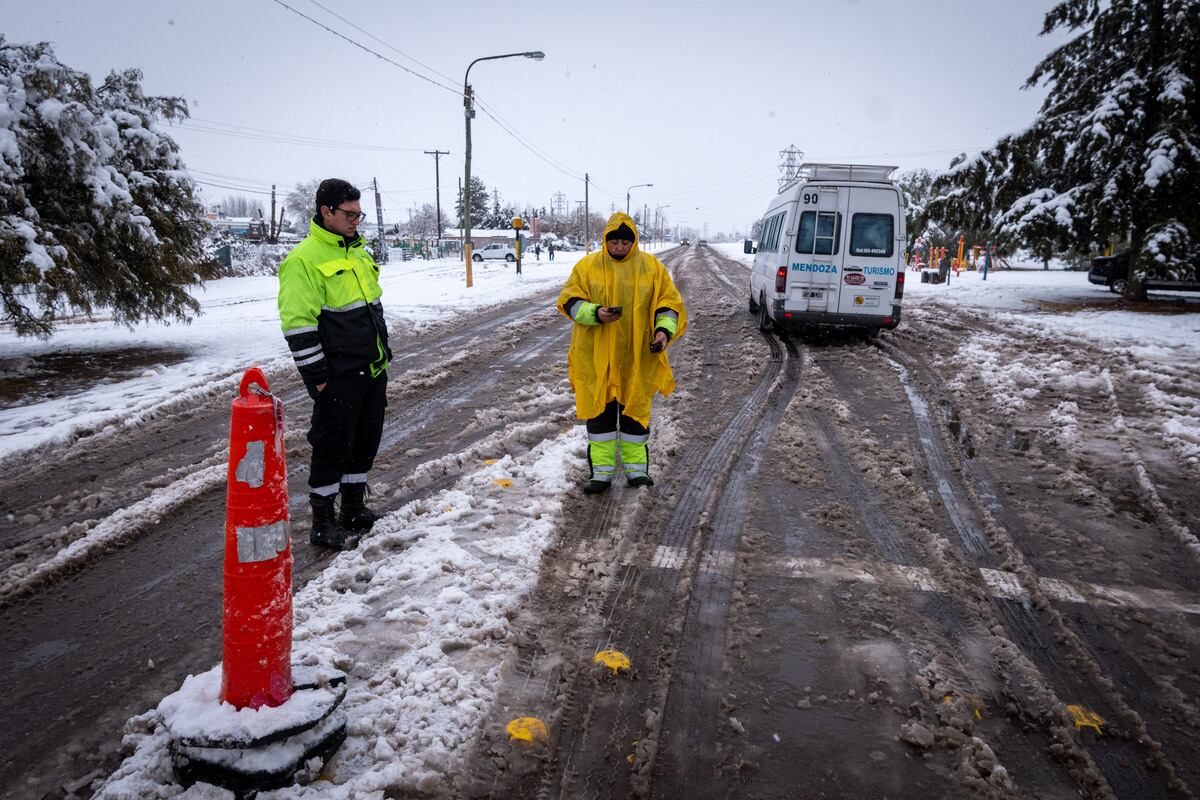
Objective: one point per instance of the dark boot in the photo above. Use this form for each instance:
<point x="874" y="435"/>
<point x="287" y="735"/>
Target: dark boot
<point x="640" y="480"/>
<point x="326" y="532"/>
<point x="596" y="487"/>
<point x="355" y="516"/>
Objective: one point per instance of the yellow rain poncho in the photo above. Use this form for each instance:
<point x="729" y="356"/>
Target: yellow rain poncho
<point x="612" y="361"/>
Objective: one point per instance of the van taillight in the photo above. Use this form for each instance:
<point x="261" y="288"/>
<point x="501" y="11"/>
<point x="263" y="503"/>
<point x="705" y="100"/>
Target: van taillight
<point x="899" y="284"/>
<point x="781" y="280"/>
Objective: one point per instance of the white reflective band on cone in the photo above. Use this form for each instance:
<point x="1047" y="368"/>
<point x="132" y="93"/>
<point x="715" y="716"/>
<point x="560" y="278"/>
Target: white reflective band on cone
<point x="262" y="542"/>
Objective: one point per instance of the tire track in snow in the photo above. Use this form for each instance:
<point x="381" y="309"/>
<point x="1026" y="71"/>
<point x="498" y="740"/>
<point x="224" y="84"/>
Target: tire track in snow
<point x="1054" y="647"/>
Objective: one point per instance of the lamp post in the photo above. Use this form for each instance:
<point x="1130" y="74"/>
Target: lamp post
<point x="657" y="223"/>
<point x="635" y="186"/>
<point x="468" y="113"/>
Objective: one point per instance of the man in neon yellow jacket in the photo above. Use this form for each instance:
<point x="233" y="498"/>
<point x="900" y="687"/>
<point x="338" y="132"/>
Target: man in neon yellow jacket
<point x="627" y="311"/>
<point x="329" y="305"/>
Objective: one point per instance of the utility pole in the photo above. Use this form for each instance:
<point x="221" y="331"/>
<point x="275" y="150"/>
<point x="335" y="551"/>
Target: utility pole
<point x="382" y="255"/>
<point x="437" y="181"/>
<point x="587" y="215"/>
<point x="272" y="234"/>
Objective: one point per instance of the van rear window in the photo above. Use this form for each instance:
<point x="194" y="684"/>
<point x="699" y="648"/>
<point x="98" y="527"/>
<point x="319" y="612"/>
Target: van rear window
<point x="872" y="235"/>
<point x="820" y="232"/>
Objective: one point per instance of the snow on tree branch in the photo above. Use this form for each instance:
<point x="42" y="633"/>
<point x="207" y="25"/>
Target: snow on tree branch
<point x="96" y="207"/>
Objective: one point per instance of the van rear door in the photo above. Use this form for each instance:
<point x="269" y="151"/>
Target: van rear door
<point x="816" y="253"/>
<point x="872" y="257"/>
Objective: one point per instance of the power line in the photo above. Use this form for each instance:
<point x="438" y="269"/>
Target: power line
<point x="231" y="188"/>
<point x="276" y="137"/>
<point x="333" y="13"/>
<point x="520" y="139"/>
<point x="360" y="46"/>
<point x="537" y="151"/>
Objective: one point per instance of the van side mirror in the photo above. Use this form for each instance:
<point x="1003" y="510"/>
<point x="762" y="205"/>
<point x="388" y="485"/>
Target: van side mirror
<point x="748" y="247"/>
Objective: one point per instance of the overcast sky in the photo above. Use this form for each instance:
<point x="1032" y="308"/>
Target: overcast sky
<point x="697" y="98"/>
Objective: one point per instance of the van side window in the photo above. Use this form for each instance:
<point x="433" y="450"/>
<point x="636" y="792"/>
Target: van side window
<point x="770" y="235"/>
<point x="820" y="232"/>
<point x="872" y="235"/>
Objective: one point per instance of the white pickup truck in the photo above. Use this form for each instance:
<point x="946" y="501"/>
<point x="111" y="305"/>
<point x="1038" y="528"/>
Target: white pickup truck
<point x="495" y="252"/>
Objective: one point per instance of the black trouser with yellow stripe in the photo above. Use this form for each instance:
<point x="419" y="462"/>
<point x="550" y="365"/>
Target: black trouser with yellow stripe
<point x="604" y="432"/>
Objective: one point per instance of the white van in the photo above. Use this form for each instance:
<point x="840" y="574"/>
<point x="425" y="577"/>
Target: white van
<point x="831" y="250"/>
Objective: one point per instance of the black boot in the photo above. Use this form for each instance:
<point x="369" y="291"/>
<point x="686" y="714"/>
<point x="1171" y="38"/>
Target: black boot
<point x="326" y="532"/>
<point x="355" y="516"/>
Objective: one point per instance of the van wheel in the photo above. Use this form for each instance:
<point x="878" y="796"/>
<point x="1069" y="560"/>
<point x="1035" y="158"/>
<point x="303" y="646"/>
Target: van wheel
<point x="1117" y="286"/>
<point x="765" y="323"/>
<point x="753" y="305"/>
<point x="476" y="257"/>
<point x="510" y="257"/>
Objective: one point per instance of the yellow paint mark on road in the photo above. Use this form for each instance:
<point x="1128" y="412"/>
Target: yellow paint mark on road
<point x="978" y="713"/>
<point x="1086" y="719"/>
<point x="490" y="461"/>
<point x="613" y="659"/>
<point x="505" y="482"/>
<point x="528" y="729"/>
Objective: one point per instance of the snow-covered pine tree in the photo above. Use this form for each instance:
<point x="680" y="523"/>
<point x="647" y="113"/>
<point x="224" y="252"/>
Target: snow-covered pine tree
<point x="479" y="203"/>
<point x="301" y="204"/>
<point x="1114" y="154"/>
<point x="96" y="208"/>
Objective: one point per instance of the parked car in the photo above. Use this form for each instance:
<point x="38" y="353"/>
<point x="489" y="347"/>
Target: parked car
<point x="1113" y="272"/>
<point x="495" y="252"/>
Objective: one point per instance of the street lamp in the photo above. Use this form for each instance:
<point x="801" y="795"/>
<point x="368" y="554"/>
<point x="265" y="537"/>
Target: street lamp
<point x="469" y="112"/>
<point x="635" y="186"/>
<point x="657" y="224"/>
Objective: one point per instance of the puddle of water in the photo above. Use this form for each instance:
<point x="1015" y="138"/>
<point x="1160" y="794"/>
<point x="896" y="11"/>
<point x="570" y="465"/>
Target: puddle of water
<point x="32" y="379"/>
<point x="1017" y="440"/>
<point x="960" y="433"/>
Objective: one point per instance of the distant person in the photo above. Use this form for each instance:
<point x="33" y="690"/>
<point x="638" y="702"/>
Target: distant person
<point x="329" y="304"/>
<point x="550" y="250"/>
<point x="537" y="251"/>
<point x="944" y="266"/>
<point x="626" y="311"/>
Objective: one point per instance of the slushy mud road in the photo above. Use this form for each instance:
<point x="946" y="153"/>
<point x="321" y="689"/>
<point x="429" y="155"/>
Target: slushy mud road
<point x="864" y="571"/>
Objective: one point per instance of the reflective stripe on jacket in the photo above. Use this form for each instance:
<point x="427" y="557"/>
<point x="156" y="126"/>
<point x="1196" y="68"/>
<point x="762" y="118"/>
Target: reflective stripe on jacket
<point x="330" y="309"/>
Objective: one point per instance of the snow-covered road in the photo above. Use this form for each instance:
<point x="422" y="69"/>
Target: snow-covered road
<point x="480" y="563"/>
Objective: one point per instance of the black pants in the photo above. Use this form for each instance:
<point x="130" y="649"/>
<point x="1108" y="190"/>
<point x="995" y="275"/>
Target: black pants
<point x="347" y="423"/>
<point x="612" y="418"/>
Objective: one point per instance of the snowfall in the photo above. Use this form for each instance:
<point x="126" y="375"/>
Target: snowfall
<point x="424" y="634"/>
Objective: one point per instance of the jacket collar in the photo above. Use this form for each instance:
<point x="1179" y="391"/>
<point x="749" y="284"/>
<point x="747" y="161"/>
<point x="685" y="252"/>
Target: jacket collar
<point x="330" y="238"/>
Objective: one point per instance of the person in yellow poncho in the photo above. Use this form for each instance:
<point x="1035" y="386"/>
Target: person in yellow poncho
<point x="627" y="311"/>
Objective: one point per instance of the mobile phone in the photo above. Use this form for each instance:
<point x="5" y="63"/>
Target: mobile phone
<point x="655" y="347"/>
<point x="615" y="309"/>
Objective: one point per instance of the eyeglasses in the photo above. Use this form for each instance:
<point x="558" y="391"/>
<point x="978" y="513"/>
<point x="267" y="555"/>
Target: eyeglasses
<point x="353" y="216"/>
